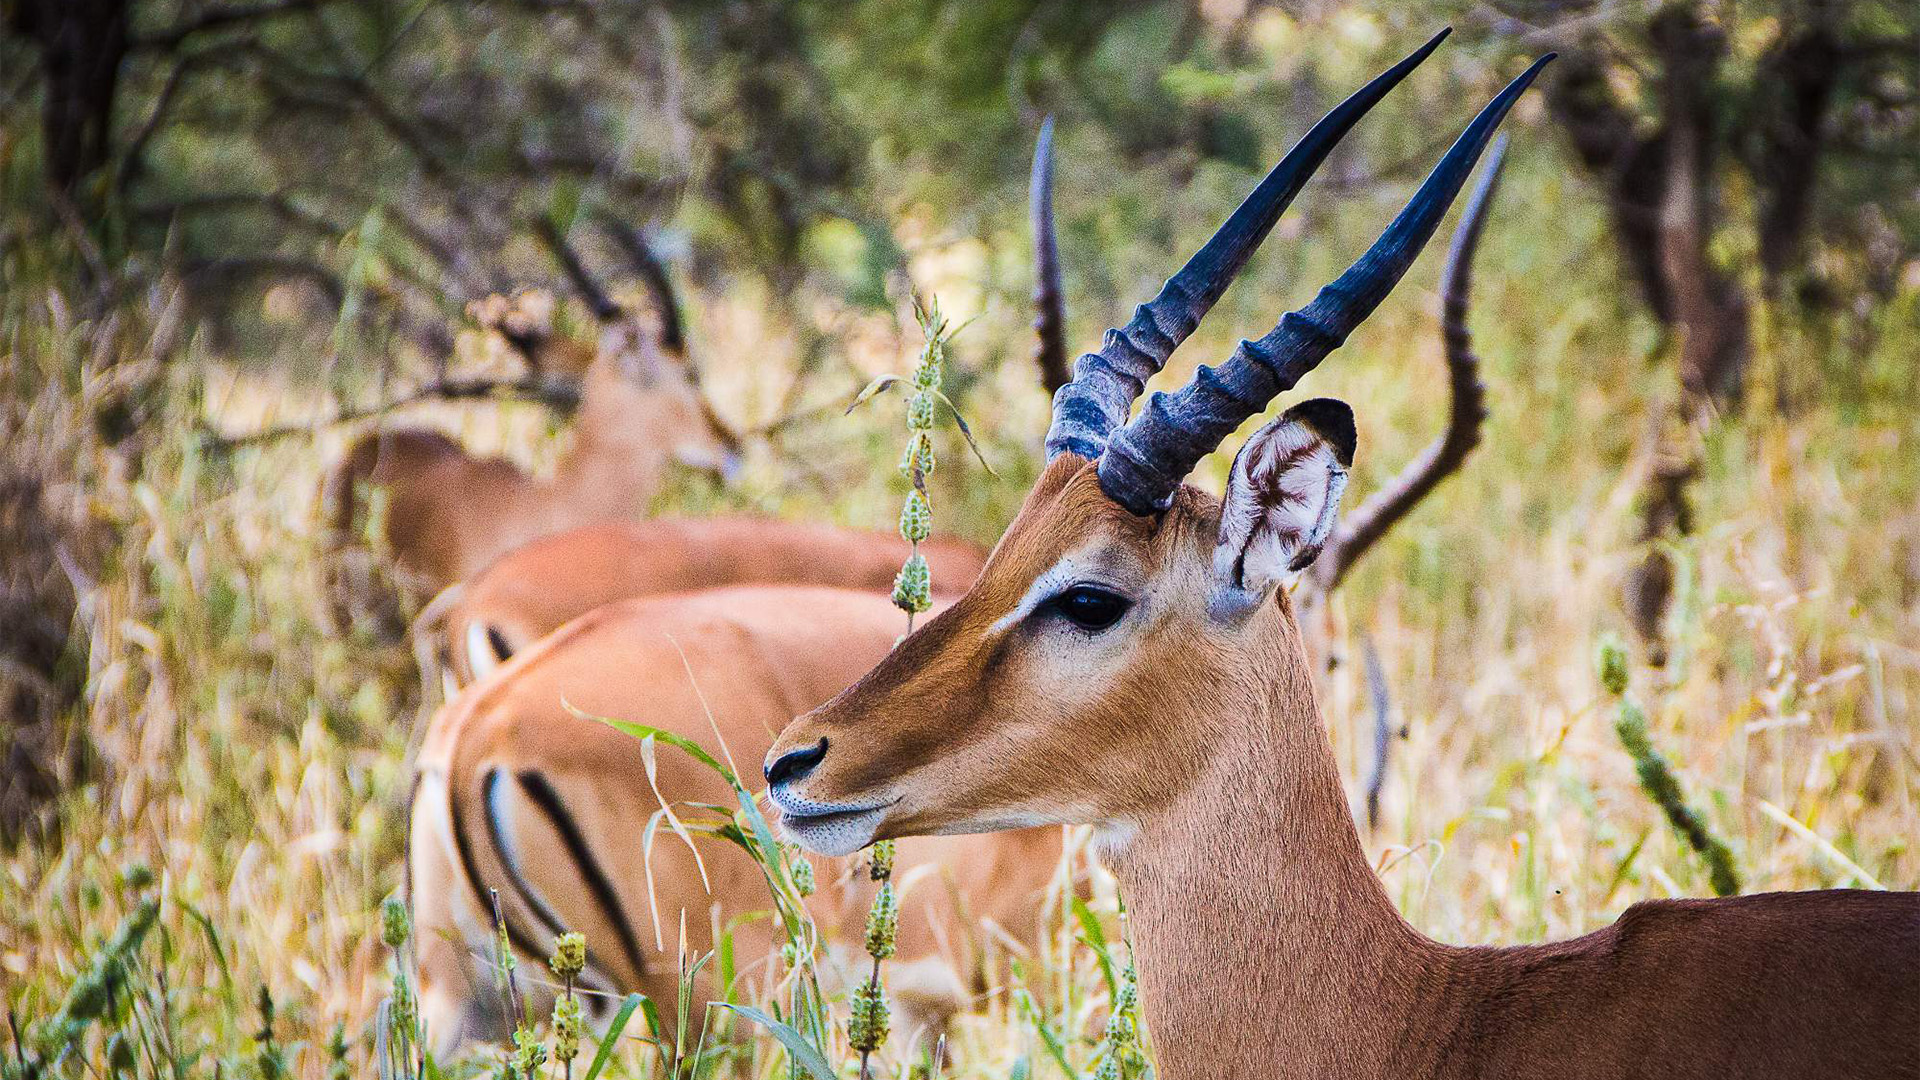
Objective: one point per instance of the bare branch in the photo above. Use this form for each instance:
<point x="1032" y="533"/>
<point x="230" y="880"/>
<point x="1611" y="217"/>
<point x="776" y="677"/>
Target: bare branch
<point x="219" y="17"/>
<point x="135" y="159"/>
<point x="548" y="392"/>
<point x="277" y="205"/>
<point x="1382" y="729"/>
<point x="1467" y="409"/>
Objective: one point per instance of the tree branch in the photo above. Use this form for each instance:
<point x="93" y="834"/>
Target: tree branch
<point x="218" y="17"/>
<point x="554" y="395"/>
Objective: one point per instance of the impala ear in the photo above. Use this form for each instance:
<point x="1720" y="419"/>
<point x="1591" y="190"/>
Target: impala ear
<point x="1282" y="496"/>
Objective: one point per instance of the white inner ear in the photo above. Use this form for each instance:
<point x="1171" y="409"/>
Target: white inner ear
<point x="1282" y="498"/>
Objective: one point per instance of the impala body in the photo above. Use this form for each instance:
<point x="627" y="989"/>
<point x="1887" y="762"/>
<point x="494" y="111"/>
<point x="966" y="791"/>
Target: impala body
<point x="532" y="590"/>
<point x="449" y="513"/>
<point x="514" y="792"/>
<point x="1129" y="658"/>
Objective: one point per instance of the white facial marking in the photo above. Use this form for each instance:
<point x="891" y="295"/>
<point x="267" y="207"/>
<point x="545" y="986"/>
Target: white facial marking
<point x="481" y="659"/>
<point x="1058" y="577"/>
<point x="501" y="802"/>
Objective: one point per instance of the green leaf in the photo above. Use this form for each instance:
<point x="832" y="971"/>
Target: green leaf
<point x="877" y="386"/>
<point x="804" y="1053"/>
<point x="966" y="432"/>
<point x="1048" y="1037"/>
<point x="652" y="1012"/>
<point x="619" y="1024"/>
<point x="643" y="731"/>
<point x="1097" y="938"/>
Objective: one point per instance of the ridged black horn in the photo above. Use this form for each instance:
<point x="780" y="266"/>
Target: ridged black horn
<point x="1105" y="383"/>
<point x="1049" y="299"/>
<point x="1149" y="457"/>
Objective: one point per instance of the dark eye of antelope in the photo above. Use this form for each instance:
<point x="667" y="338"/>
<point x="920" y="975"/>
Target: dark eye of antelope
<point x="1090" y="607"/>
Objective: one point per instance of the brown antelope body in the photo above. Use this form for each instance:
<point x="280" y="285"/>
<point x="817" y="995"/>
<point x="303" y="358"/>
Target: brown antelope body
<point x="1130" y="659"/>
<point x="449" y="513"/>
<point x="516" y="793"/>
<point x="532" y="590"/>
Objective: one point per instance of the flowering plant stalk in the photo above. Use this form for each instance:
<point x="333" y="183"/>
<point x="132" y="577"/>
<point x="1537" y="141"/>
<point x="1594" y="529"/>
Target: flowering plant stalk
<point x="869" y="1014"/>
<point x="913" y="586"/>
<point x="568" y="961"/>
<point x="402" y="1008"/>
<point x="1656" y="772"/>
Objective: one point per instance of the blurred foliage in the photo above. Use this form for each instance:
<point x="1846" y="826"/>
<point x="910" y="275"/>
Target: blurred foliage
<point x="307" y="190"/>
<point x="390" y="158"/>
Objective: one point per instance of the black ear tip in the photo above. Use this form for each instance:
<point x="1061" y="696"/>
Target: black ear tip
<point x="1332" y="420"/>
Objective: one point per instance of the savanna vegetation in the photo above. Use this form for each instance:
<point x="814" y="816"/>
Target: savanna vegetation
<point x="233" y="236"/>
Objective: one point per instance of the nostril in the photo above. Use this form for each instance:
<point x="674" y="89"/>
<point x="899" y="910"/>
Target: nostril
<point x="796" y="764"/>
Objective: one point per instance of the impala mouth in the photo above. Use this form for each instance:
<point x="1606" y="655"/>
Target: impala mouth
<point x="828" y="828"/>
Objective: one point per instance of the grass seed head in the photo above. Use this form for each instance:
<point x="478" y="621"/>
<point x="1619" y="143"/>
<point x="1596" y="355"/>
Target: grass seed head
<point x="396" y="923"/>
<point x="918" y="456"/>
<point x="1610" y="661"/>
<point x="916" y="517"/>
<point x="567" y="1026"/>
<point x="868" y="1017"/>
<point x="529" y="1053"/>
<point x="883" y="922"/>
<point x="569" y="955"/>
<point x="920" y="412"/>
<point x="913" y="585"/>
<point x="802" y="873"/>
<point x="880" y="861"/>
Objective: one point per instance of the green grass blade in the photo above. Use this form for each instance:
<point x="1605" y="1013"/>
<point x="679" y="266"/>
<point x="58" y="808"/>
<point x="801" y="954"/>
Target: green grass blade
<point x="803" y="1053"/>
<point x="642" y="731"/>
<point x="605" y="1053"/>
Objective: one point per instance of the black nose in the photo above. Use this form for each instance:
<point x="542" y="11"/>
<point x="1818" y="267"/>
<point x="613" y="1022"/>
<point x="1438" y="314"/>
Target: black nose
<point x="796" y="764"/>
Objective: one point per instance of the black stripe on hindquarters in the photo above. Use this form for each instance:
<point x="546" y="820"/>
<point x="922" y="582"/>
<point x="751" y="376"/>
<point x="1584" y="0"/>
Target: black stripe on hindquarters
<point x="548" y="800"/>
<point x="516" y="936"/>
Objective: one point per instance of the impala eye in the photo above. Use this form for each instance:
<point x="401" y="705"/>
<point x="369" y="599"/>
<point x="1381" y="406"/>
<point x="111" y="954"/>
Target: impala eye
<point x="1091" y="608"/>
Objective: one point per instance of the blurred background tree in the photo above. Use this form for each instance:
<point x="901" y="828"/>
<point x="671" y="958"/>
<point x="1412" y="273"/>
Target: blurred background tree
<point x="340" y="178"/>
<point x="1759" y="146"/>
<point x="1695" y="310"/>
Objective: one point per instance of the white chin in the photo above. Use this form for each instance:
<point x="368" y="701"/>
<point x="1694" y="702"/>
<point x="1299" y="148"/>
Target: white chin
<point x="834" y="834"/>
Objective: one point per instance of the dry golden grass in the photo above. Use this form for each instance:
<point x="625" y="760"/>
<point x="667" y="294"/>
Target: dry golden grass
<point x="258" y="765"/>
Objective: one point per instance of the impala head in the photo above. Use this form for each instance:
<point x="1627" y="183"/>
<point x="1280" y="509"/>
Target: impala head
<point x="1057" y="689"/>
<point x="659" y="398"/>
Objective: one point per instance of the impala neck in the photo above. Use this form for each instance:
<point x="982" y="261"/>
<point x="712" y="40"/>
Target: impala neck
<point x="1267" y="946"/>
<point x="619" y="451"/>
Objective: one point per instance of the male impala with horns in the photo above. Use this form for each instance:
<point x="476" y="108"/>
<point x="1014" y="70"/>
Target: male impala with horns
<point x="1129" y="659"/>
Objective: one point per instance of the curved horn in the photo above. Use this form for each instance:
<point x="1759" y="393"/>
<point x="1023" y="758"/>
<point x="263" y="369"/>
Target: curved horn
<point x="1466" y="410"/>
<point x="1088" y="409"/>
<point x="1147" y="459"/>
<point x="598" y="302"/>
<point x="1049" y="301"/>
<point x="653" y="272"/>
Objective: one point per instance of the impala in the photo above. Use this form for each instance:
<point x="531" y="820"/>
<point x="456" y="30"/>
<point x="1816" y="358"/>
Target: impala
<point x="1129" y="658"/>
<point x="515" y="792"/>
<point x="449" y="513"/>
<point x="535" y="588"/>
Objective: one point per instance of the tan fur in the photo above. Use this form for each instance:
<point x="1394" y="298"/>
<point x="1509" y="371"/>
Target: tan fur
<point x="758" y="655"/>
<point x="532" y="590"/>
<point x="1194" y="743"/>
<point x="449" y="513"/>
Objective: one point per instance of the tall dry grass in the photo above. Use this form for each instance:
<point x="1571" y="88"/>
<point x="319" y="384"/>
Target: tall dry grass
<point x="256" y="766"/>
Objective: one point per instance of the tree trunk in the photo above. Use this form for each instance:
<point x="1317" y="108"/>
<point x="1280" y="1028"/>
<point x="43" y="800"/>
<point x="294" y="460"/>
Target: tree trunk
<point x="82" y="44"/>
